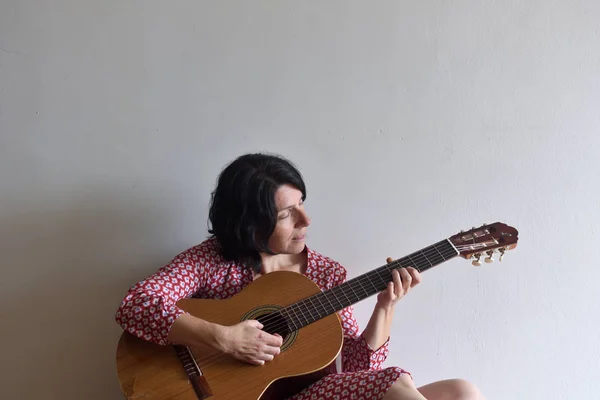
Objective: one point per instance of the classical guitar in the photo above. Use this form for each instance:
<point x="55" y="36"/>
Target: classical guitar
<point x="292" y="305"/>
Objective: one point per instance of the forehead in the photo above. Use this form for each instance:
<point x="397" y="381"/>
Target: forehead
<point x="286" y="196"/>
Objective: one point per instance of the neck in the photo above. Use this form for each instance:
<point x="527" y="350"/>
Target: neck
<point x="281" y="262"/>
<point x="350" y="292"/>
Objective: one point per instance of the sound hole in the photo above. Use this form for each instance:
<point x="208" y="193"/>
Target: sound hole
<point x="273" y="322"/>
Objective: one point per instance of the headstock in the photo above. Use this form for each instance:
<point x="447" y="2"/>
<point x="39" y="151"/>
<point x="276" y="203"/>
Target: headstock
<point x="485" y="240"/>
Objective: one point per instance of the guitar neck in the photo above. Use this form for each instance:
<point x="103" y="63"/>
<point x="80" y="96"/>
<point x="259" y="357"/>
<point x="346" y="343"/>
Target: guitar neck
<point x="361" y="287"/>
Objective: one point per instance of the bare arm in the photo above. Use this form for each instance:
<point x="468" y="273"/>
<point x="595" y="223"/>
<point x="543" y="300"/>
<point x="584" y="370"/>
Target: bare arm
<point x="192" y="331"/>
<point x="378" y="329"/>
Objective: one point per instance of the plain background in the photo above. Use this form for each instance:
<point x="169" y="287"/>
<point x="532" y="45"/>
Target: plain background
<point x="409" y="120"/>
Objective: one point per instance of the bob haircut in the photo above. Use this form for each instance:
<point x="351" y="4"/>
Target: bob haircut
<point x="243" y="213"/>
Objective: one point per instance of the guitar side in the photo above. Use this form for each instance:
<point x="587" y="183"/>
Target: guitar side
<point x="149" y="371"/>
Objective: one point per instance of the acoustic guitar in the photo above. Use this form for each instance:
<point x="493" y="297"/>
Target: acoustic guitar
<point x="291" y="305"/>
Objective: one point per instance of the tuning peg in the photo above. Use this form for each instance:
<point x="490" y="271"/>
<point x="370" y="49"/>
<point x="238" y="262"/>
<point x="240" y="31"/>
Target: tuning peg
<point x="490" y="258"/>
<point x="476" y="262"/>
<point x="502" y="250"/>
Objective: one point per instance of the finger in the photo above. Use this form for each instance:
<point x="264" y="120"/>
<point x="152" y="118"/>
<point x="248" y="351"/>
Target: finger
<point x="406" y="279"/>
<point x="397" y="281"/>
<point x="255" y="324"/>
<point x="391" y="288"/>
<point x="278" y="336"/>
<point x="389" y="260"/>
<point x="266" y="356"/>
<point x="271" y="350"/>
<point x="416" y="276"/>
<point x="254" y="359"/>
<point x="270" y="340"/>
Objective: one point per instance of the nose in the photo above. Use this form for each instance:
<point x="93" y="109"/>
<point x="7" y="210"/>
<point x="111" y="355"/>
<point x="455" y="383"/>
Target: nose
<point x="304" y="219"/>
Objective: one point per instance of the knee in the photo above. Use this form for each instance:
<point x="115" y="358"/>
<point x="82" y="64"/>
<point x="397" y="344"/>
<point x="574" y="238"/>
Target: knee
<point x="405" y="381"/>
<point x="403" y="385"/>
<point x="464" y="390"/>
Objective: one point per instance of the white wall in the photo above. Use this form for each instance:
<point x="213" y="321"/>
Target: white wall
<point x="410" y="121"/>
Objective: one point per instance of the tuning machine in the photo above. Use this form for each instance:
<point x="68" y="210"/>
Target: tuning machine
<point x="501" y="250"/>
<point x="490" y="258"/>
<point x="476" y="262"/>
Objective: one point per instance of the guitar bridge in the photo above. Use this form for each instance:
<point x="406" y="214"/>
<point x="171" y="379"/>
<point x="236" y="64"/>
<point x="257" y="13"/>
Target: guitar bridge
<point x="197" y="380"/>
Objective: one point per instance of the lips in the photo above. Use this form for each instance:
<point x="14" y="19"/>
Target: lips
<point x="300" y="237"/>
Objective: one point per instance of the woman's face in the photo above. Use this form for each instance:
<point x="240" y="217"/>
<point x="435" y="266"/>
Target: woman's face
<point x="292" y="222"/>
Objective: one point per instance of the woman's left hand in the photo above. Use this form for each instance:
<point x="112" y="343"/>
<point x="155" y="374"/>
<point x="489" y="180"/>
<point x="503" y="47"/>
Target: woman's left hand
<point x="404" y="279"/>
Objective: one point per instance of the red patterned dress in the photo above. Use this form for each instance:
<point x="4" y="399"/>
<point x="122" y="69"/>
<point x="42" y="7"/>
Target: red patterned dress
<point x="149" y="309"/>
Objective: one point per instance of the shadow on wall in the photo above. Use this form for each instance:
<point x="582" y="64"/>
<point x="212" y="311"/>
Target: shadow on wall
<point x="66" y="270"/>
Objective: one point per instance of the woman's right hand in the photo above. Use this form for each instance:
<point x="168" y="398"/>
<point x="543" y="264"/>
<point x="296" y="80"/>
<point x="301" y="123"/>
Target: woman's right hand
<point x="247" y="341"/>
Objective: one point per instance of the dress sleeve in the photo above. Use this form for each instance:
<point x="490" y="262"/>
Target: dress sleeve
<point x="357" y="355"/>
<point x="149" y="307"/>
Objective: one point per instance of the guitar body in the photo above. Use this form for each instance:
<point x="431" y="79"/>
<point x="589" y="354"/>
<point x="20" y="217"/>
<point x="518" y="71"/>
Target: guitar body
<point x="149" y="371"/>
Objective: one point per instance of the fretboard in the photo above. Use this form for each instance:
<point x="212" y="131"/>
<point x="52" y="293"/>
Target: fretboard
<point x="354" y="290"/>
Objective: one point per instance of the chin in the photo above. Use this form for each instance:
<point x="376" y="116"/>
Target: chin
<point x="296" y="247"/>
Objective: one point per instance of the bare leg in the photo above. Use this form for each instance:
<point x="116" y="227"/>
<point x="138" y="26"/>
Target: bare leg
<point x="403" y="389"/>
<point x="451" y="389"/>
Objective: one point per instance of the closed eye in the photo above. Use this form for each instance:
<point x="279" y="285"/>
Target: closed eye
<point x="288" y="210"/>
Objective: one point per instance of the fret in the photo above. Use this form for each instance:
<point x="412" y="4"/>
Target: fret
<point x="306" y="311"/>
<point x="418" y="261"/>
<point x="322" y="311"/>
<point x="383" y="281"/>
<point x="405" y="262"/>
<point x="293" y="307"/>
<point x="336" y="291"/>
<point x="289" y="318"/>
<point x="330" y="299"/>
<point x="341" y="289"/>
<point x="313" y="307"/>
<point x="440" y="252"/>
<point x="306" y="314"/>
<point x="447" y="249"/>
<point x="319" y="311"/>
<point x="367" y="294"/>
<point x="332" y="309"/>
<point x="436" y="256"/>
<point x="375" y="289"/>
<point x="350" y="286"/>
<point x="427" y="259"/>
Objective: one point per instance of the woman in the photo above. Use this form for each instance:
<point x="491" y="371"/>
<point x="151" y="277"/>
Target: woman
<point x="259" y="225"/>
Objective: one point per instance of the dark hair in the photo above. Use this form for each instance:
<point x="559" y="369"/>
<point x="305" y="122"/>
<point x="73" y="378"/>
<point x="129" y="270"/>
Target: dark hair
<point x="243" y="212"/>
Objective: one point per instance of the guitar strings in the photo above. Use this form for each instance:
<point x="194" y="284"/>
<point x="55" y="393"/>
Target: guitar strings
<point x="271" y="318"/>
<point x="220" y="356"/>
<point x="216" y="357"/>
<point x="361" y="279"/>
<point x="364" y="278"/>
